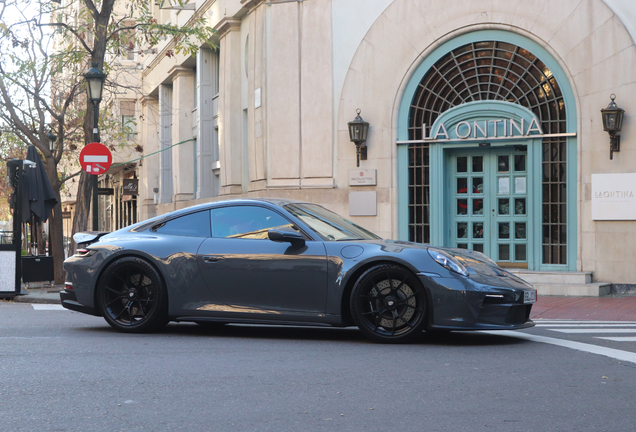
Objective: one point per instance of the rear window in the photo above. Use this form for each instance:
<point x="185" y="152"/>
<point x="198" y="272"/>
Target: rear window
<point x="191" y="225"/>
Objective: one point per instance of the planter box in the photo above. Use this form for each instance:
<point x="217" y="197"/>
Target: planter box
<point x="37" y="269"/>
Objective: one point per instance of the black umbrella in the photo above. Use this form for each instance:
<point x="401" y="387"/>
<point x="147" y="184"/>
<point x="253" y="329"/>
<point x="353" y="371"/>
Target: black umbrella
<point x="38" y="197"/>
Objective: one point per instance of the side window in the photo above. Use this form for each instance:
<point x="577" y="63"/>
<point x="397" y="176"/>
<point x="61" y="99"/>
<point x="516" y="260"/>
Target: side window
<point x="191" y="225"/>
<point x="245" y="222"/>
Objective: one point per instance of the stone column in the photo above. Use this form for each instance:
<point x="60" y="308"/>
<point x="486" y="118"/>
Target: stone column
<point x="230" y="113"/>
<point x="149" y="171"/>
<point x="183" y="169"/>
<point x="207" y="126"/>
<point x="165" y="141"/>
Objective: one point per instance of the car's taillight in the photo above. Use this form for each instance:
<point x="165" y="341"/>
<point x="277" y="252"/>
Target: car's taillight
<point x="68" y="286"/>
<point x="85" y="252"/>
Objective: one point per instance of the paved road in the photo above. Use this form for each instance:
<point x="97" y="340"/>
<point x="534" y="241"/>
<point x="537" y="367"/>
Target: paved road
<point x="64" y="371"/>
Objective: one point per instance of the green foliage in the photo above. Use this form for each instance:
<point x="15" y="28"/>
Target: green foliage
<point x="47" y="46"/>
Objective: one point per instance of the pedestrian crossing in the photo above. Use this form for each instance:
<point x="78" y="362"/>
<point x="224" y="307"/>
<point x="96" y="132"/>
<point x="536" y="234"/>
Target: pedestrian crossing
<point x="592" y="328"/>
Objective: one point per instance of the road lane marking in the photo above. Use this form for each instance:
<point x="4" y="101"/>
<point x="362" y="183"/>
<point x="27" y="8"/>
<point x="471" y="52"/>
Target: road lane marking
<point x="619" y="338"/>
<point x="25" y="337"/>
<point x="545" y="321"/>
<point x="584" y="325"/>
<point x="593" y="330"/>
<point x="48" y="307"/>
<point x="579" y="346"/>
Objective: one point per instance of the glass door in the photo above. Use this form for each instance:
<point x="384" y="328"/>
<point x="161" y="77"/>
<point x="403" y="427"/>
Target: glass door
<point x="488" y="198"/>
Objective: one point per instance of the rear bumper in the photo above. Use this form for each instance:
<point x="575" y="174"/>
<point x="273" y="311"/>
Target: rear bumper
<point x="69" y="301"/>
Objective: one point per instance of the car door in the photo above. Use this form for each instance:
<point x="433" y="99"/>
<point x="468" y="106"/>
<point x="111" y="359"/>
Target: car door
<point x="252" y="274"/>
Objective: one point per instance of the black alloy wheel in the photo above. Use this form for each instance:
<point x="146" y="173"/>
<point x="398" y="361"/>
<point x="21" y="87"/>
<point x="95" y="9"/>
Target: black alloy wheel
<point x="388" y="304"/>
<point x="132" y="297"/>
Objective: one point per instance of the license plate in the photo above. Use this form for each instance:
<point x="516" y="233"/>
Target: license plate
<point x="529" y="296"/>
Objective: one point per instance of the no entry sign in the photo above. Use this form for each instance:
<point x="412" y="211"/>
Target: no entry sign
<point x="95" y="158"/>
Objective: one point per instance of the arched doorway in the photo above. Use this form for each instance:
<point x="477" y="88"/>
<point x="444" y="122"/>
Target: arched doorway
<point x="465" y="122"/>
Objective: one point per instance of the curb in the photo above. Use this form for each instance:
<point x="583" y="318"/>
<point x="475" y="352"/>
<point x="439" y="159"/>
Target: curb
<point x="48" y="298"/>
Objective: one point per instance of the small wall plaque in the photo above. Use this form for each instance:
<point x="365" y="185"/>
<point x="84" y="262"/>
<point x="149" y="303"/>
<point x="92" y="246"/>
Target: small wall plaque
<point x="363" y="203"/>
<point x="363" y="177"/>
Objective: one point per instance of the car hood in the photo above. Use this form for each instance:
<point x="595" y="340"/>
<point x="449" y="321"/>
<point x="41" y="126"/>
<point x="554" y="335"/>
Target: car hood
<point x="472" y="260"/>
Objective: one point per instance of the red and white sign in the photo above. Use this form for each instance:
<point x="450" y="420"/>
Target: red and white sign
<point x="95" y="158"/>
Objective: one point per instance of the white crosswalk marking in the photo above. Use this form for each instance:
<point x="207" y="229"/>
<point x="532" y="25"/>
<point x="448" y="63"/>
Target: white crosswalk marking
<point x="48" y="307"/>
<point x="593" y="330"/>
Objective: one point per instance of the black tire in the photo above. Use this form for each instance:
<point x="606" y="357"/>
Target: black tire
<point x="132" y="297"/>
<point x="388" y="304"/>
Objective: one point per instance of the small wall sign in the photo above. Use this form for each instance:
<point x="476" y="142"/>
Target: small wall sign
<point x="363" y="177"/>
<point x="614" y="196"/>
<point x="130" y="187"/>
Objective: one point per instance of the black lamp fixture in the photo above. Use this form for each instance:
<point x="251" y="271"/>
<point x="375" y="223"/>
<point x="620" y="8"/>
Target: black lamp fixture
<point x="95" y="83"/>
<point x="358" y="130"/>
<point x="52" y="138"/>
<point x="612" y="124"/>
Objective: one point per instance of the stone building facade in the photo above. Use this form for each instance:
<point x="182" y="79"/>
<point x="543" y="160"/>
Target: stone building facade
<point x="485" y="122"/>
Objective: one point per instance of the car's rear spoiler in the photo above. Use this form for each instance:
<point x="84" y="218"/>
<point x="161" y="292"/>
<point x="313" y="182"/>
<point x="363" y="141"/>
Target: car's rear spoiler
<point x="85" y="238"/>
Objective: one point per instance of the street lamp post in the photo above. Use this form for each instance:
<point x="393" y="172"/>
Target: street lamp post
<point x="52" y="138"/>
<point x="95" y="85"/>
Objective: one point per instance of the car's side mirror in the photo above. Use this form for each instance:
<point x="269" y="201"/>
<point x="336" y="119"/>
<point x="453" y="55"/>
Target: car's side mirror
<point x="286" y="235"/>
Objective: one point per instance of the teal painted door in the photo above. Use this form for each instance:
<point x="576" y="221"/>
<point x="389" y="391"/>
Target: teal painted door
<point x="487" y="203"/>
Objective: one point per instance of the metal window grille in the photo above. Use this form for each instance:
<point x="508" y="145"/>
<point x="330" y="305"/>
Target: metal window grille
<point x="492" y="70"/>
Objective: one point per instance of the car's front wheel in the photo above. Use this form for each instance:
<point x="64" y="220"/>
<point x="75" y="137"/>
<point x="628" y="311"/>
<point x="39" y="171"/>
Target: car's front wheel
<point x="388" y="304"/>
<point x="132" y="297"/>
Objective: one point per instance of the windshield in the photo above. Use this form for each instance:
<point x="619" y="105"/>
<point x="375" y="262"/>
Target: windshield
<point x="329" y="225"/>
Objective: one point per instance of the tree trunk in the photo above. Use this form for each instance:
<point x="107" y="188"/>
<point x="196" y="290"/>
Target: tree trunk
<point x="82" y="208"/>
<point x="56" y="241"/>
<point x="56" y="227"/>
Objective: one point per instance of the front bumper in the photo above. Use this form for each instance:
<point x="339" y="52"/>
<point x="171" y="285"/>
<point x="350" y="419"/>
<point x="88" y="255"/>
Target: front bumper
<point x="460" y="304"/>
<point x="69" y="301"/>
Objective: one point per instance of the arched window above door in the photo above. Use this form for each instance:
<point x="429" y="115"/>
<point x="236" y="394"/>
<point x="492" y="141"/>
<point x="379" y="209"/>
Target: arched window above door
<point x="491" y="70"/>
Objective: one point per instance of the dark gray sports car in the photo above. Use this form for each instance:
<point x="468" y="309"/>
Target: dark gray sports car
<point x="286" y="262"/>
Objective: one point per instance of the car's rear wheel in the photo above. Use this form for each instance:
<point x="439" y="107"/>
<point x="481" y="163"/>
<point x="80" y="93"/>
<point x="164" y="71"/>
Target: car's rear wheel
<point x="388" y="304"/>
<point x="132" y="297"/>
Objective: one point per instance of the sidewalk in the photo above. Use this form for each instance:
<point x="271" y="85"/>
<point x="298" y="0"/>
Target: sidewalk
<point x="585" y="308"/>
<point x="546" y="307"/>
<point x="40" y="294"/>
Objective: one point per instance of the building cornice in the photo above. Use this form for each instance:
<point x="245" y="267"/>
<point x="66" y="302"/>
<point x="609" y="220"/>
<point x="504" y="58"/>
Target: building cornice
<point x="248" y="5"/>
<point x="171" y="45"/>
<point x="227" y="25"/>
<point x="147" y="98"/>
<point x="177" y="71"/>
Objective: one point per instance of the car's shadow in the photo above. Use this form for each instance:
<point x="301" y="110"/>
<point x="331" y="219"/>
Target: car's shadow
<point x="348" y="334"/>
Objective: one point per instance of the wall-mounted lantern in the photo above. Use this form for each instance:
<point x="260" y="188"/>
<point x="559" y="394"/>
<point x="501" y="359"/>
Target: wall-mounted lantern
<point x="358" y="130"/>
<point x="612" y="124"/>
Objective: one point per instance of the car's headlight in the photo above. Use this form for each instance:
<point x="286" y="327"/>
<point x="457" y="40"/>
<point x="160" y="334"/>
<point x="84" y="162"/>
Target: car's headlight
<point x="447" y="261"/>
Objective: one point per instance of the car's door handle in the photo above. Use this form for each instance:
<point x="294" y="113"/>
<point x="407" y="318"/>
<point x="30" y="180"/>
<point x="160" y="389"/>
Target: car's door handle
<point x="212" y="258"/>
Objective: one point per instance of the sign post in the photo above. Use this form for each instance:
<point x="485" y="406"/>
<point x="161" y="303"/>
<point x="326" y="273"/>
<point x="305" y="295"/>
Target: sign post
<point x="95" y="159"/>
